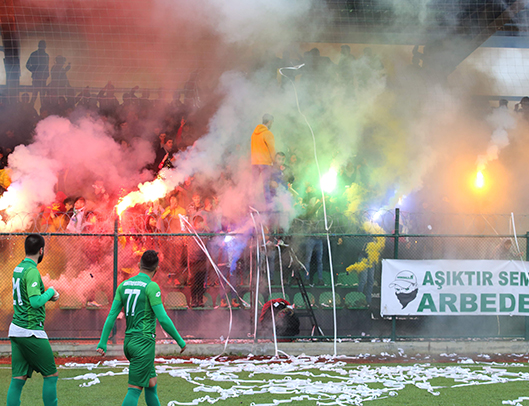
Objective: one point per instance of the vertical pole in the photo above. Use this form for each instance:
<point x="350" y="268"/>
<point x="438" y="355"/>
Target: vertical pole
<point x="527" y="258"/>
<point x="395" y="256"/>
<point x="115" y="275"/>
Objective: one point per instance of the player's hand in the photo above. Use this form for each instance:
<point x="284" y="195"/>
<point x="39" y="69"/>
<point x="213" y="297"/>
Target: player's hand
<point x="101" y="351"/>
<point x="55" y="296"/>
<point x="183" y="349"/>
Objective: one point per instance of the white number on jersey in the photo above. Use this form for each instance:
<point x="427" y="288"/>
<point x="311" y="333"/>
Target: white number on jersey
<point x="16" y="289"/>
<point x="129" y="310"/>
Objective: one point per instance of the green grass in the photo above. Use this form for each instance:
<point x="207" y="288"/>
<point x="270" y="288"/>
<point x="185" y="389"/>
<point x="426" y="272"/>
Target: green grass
<point x="111" y="390"/>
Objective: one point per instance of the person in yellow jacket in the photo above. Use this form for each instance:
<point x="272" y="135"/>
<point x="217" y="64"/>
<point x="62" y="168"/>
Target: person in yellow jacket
<point x="5" y="179"/>
<point x="263" y="153"/>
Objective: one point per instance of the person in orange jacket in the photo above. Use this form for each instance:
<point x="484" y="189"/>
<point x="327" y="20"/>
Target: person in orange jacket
<point x="263" y="152"/>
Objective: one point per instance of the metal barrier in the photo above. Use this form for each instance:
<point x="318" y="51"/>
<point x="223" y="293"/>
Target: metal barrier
<point x="87" y="268"/>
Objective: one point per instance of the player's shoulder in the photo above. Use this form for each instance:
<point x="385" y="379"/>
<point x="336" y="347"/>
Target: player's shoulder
<point x="28" y="269"/>
<point x="153" y="286"/>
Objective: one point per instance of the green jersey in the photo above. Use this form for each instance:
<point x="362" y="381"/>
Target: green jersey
<point x="138" y="295"/>
<point x="27" y="283"/>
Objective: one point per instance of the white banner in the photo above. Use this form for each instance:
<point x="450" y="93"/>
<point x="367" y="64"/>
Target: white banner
<point x="452" y="287"/>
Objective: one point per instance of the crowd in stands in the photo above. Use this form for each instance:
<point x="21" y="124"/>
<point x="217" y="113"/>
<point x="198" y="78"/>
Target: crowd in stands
<point x="174" y="127"/>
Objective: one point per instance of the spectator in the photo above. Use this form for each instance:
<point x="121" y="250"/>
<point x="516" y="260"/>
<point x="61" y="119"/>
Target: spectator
<point x="346" y="69"/>
<point x="77" y="220"/>
<point x="39" y="66"/>
<point x="197" y="263"/>
<point x="164" y="156"/>
<point x="59" y="81"/>
<point x="28" y="116"/>
<point x="281" y="174"/>
<point x="366" y="278"/>
<point x="195" y="206"/>
<point x="191" y="98"/>
<point x="175" y="248"/>
<point x="3" y="159"/>
<point x="5" y="179"/>
<point x="504" y="251"/>
<point x="108" y="103"/>
<point x="263" y="152"/>
<point x="523" y="106"/>
<point x="213" y="218"/>
<point x="185" y="191"/>
<point x="313" y="244"/>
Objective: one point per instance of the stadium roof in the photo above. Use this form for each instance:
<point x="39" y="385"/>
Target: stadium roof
<point x="420" y="21"/>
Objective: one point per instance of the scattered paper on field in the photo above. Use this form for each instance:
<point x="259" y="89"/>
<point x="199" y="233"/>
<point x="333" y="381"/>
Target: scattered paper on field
<point x="324" y="379"/>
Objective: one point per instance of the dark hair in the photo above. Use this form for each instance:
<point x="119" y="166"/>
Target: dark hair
<point x="197" y="219"/>
<point x="267" y="118"/>
<point x="149" y="260"/>
<point x="280" y="153"/>
<point x="69" y="200"/>
<point x="33" y="244"/>
<point x="148" y="227"/>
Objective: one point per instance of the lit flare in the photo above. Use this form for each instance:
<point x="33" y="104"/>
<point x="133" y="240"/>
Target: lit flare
<point x="329" y="180"/>
<point x="480" y="180"/>
<point x="148" y="192"/>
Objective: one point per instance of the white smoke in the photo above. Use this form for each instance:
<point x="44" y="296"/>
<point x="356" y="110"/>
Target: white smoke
<point x="501" y="120"/>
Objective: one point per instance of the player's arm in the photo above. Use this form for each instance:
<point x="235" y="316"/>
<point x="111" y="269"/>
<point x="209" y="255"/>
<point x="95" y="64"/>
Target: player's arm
<point x="36" y="299"/>
<point x="155" y="299"/>
<point x="168" y="325"/>
<point x="117" y="305"/>
<point x="166" y="212"/>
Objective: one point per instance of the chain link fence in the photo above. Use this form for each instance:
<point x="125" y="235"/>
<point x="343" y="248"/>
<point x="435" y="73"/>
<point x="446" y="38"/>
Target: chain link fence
<point x="204" y="300"/>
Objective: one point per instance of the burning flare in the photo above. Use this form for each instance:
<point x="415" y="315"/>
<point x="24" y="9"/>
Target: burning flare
<point x="480" y="180"/>
<point x="329" y="180"/>
<point x="148" y="192"/>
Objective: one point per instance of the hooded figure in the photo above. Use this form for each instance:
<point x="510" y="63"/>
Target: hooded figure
<point x="263" y="143"/>
<point x="263" y="155"/>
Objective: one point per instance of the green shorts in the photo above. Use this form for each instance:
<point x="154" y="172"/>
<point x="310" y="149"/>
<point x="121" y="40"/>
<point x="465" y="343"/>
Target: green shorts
<point x="30" y="354"/>
<point x="140" y="351"/>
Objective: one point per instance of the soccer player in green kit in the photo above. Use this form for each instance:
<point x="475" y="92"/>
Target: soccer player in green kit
<point x="30" y="348"/>
<point x="141" y="300"/>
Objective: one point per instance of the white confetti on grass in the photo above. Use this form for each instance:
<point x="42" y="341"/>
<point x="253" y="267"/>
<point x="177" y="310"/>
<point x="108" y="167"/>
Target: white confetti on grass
<point x="327" y="380"/>
<point x="516" y="402"/>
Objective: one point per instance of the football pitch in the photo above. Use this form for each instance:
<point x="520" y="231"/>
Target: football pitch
<point x="299" y="380"/>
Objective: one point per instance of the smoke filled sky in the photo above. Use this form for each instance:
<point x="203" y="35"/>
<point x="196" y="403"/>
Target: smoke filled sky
<point x="416" y="134"/>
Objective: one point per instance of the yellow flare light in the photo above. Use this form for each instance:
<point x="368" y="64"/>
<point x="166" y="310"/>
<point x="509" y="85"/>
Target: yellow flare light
<point x="148" y="192"/>
<point x="480" y="180"/>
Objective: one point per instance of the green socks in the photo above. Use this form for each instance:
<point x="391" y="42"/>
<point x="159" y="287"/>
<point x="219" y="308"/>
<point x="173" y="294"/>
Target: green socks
<point x="151" y="396"/>
<point x="49" y="391"/>
<point x="14" y="392"/>
<point x="132" y="398"/>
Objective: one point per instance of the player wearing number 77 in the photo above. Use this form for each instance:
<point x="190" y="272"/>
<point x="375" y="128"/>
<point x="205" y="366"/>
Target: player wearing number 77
<point x="140" y="297"/>
<point x="30" y="348"/>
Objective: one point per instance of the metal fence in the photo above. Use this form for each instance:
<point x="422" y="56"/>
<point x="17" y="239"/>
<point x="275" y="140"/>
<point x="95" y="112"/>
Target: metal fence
<point x="87" y="268"/>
